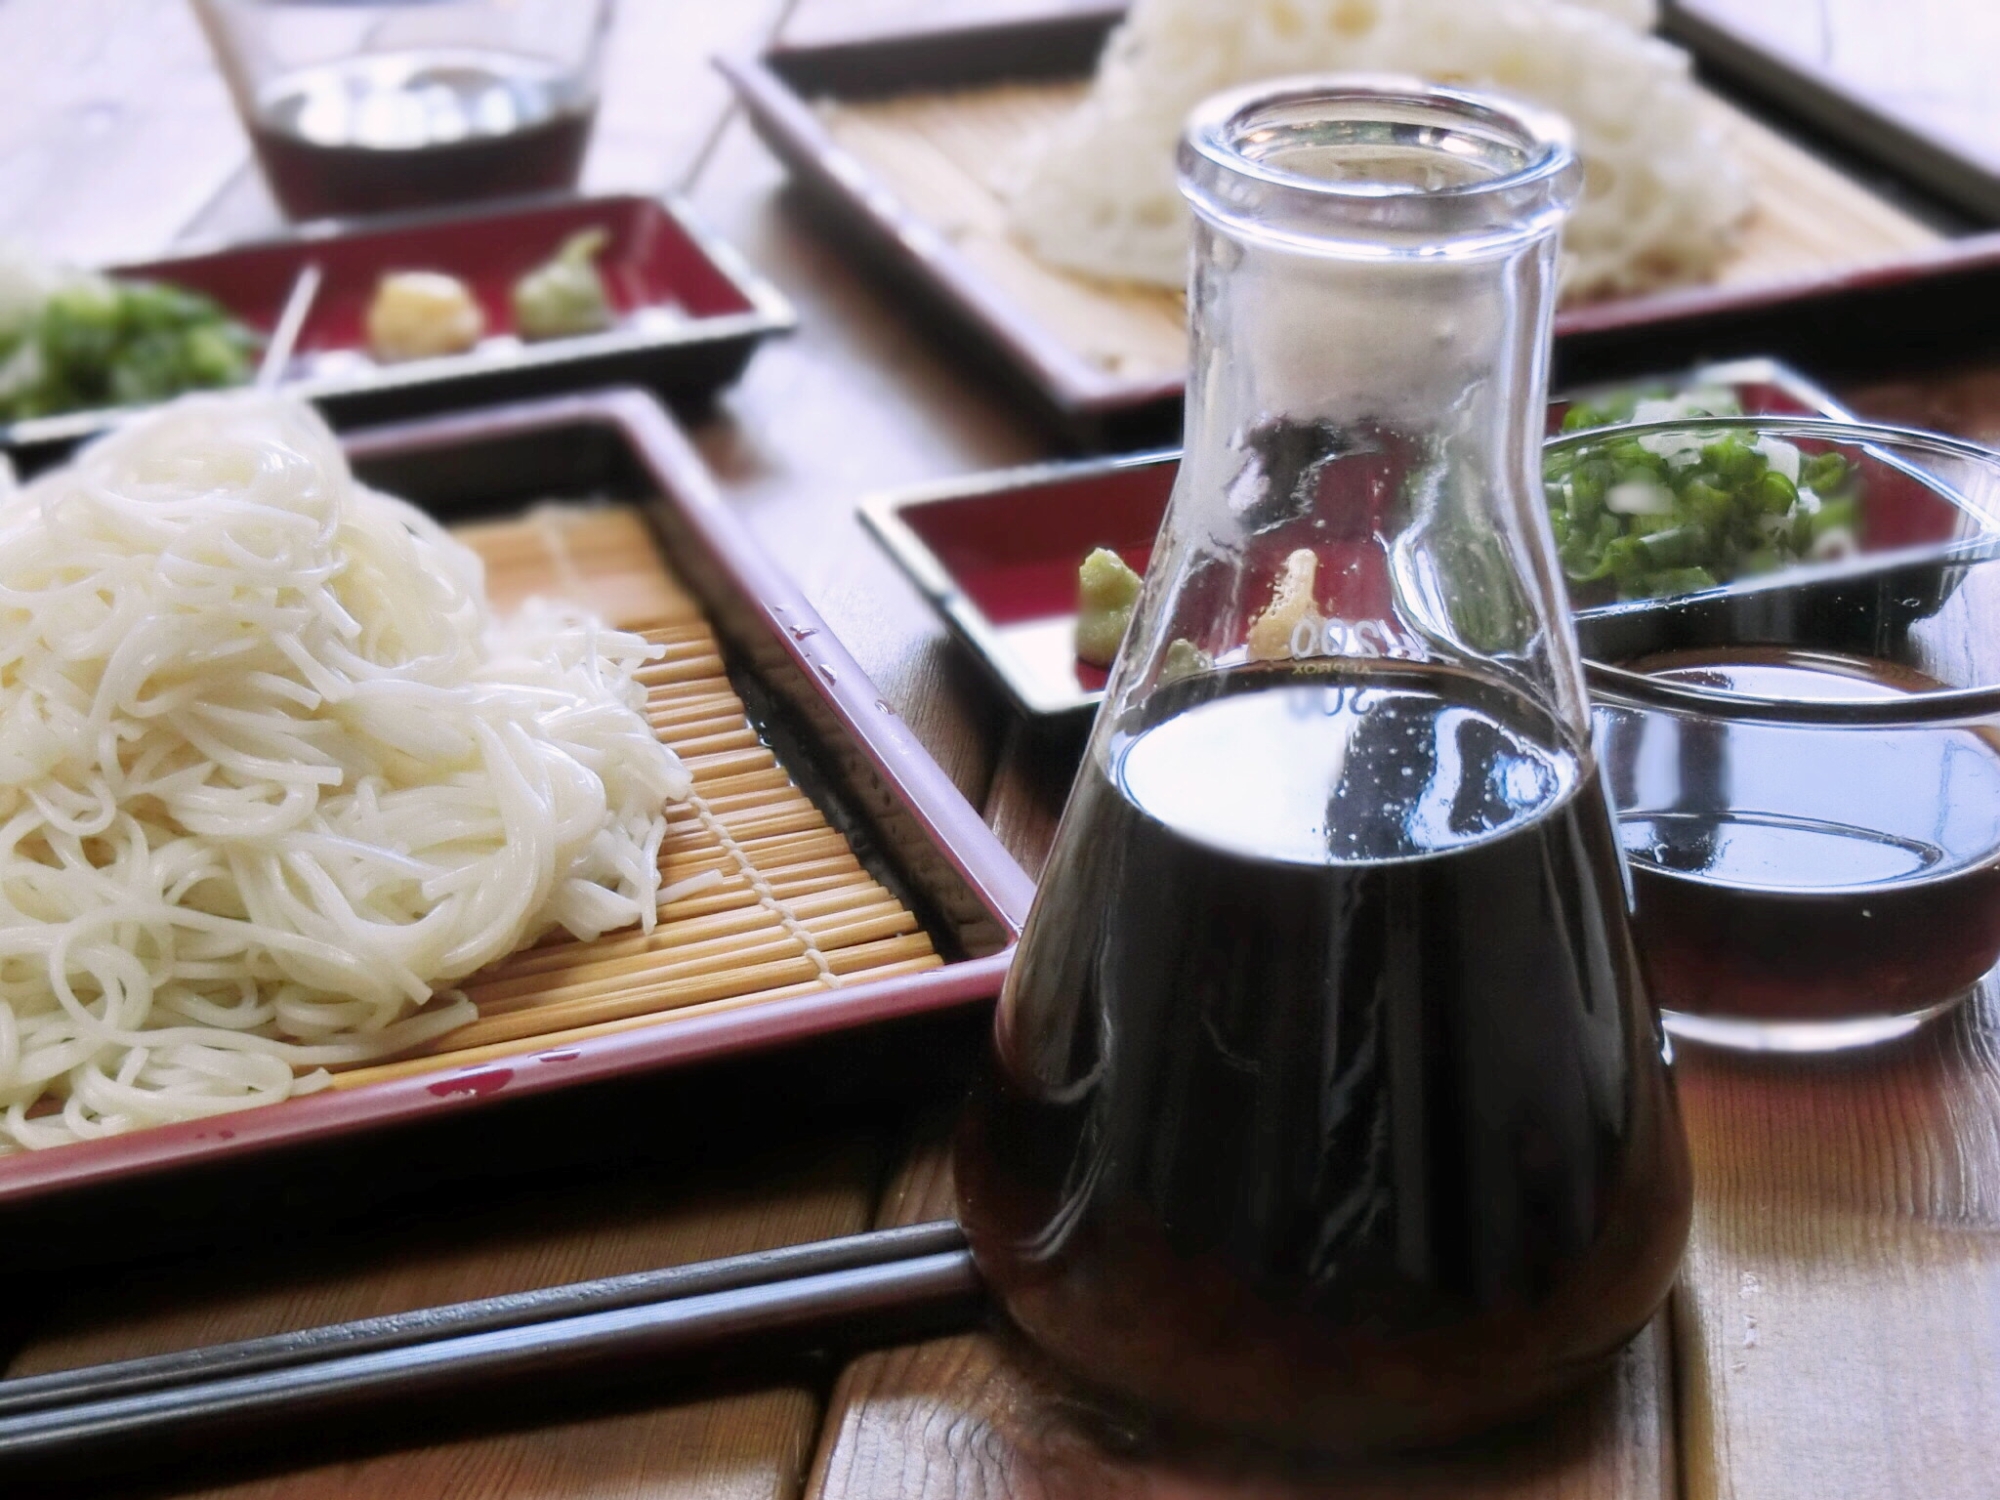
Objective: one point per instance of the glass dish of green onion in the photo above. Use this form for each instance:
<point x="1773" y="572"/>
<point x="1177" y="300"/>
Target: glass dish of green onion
<point x="1642" y="515"/>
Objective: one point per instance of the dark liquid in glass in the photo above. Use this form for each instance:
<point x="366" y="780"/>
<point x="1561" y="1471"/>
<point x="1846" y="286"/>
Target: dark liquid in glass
<point x="406" y="130"/>
<point x="1328" y="1105"/>
<point x="1800" y="873"/>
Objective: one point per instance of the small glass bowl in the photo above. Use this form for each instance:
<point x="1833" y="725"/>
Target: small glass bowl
<point x="1805" y="761"/>
<point x="367" y="106"/>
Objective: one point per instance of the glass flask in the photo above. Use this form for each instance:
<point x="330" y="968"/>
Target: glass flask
<point x="1327" y="1106"/>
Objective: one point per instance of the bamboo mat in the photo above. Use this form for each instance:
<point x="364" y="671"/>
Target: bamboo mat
<point x="793" y="911"/>
<point x="945" y="156"/>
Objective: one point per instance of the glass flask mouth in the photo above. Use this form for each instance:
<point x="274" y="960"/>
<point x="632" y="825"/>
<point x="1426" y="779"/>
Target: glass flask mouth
<point x="1375" y="165"/>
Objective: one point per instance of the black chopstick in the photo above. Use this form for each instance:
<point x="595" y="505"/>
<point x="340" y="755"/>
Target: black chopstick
<point x="96" y="1383"/>
<point x="936" y="1289"/>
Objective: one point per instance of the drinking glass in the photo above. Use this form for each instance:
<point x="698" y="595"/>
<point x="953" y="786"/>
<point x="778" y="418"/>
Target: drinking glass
<point x="1806" y="765"/>
<point x="1326" y="1106"/>
<point x="356" y="106"/>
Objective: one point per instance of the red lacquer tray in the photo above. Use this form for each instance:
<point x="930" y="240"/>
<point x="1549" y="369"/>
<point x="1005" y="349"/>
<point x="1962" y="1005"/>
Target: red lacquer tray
<point x="996" y="554"/>
<point x="689" y="310"/>
<point x="1924" y="125"/>
<point x="1908" y="308"/>
<point x="840" y="740"/>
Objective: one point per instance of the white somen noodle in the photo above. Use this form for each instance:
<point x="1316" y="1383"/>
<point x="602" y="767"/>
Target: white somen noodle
<point x="1663" y="197"/>
<point x="270" y="775"/>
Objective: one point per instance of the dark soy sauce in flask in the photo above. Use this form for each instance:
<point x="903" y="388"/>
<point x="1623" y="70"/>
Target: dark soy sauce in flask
<point x="1327" y="1106"/>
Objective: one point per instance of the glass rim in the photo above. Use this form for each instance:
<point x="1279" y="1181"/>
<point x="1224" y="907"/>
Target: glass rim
<point x="1621" y="687"/>
<point x="1219" y="123"/>
<point x="1532" y="183"/>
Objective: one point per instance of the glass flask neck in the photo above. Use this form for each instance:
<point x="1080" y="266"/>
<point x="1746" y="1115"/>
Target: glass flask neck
<point x="1373" y="280"/>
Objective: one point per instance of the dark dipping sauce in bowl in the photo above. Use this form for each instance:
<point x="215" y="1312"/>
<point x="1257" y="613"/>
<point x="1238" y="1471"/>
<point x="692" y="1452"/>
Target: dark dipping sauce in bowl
<point x="1336" y="1118"/>
<point x="408" y="130"/>
<point x="1800" y="874"/>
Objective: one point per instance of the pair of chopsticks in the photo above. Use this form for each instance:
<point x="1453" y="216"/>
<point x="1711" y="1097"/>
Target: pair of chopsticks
<point x="857" y="1290"/>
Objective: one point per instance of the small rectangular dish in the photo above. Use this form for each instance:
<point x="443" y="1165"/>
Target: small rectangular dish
<point x="688" y="310"/>
<point x="997" y="553"/>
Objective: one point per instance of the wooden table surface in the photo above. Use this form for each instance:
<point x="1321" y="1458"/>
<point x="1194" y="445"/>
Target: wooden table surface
<point x="1837" y="1328"/>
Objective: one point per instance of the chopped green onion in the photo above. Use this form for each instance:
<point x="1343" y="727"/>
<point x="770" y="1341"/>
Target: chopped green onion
<point x="1773" y="494"/>
<point x="1674" y="511"/>
<point x="95" y="341"/>
<point x="1824" y="472"/>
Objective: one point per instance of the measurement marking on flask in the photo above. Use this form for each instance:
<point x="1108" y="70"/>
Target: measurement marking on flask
<point x="1368" y="639"/>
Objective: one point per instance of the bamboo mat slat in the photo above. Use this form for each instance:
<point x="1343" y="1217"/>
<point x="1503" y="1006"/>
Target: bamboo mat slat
<point x="788" y="909"/>
<point x="946" y="157"/>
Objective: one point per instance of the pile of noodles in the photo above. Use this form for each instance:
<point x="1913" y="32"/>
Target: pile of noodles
<point x="269" y="774"/>
<point x="1663" y="196"/>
